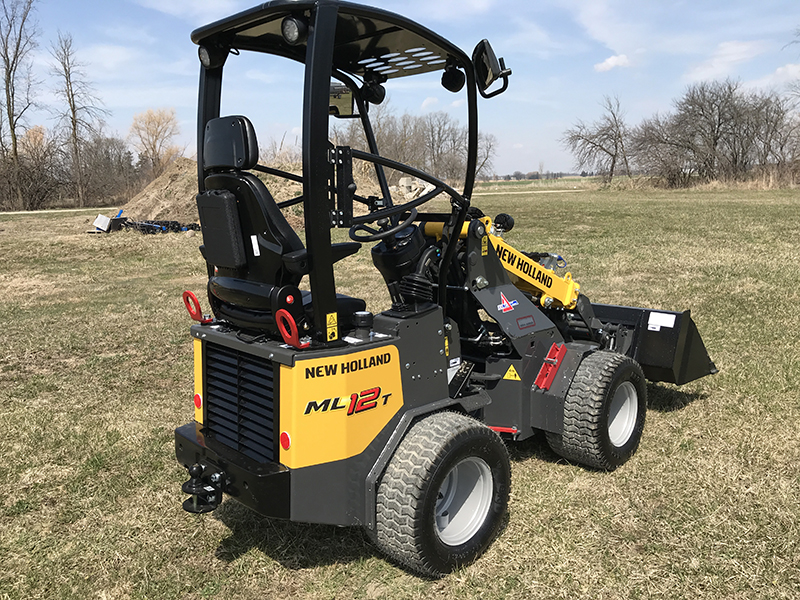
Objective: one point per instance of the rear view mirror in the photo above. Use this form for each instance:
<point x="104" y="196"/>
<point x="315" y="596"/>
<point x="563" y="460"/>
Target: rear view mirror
<point x="488" y="69"/>
<point x="341" y="101"/>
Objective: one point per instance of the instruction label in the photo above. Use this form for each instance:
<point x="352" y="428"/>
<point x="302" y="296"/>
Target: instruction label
<point x="658" y="320"/>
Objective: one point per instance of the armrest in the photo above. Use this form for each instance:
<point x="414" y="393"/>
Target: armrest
<point x="299" y="262"/>
<point x="343" y="250"/>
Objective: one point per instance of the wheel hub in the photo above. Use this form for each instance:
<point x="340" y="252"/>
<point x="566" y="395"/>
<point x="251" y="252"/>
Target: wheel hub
<point x="463" y="501"/>
<point x="622" y="414"/>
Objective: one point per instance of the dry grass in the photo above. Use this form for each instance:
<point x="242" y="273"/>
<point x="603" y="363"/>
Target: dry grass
<point x="95" y="372"/>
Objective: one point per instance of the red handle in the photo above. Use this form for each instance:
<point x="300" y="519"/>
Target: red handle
<point x="288" y="329"/>
<point x="193" y="306"/>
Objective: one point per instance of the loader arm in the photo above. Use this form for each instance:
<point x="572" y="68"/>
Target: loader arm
<point x="551" y="289"/>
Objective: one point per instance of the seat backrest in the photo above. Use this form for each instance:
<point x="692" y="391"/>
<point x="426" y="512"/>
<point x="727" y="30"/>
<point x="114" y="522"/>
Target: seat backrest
<point x="244" y="232"/>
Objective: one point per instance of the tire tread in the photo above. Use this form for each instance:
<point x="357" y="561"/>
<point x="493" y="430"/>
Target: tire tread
<point x="581" y="440"/>
<point x="401" y="492"/>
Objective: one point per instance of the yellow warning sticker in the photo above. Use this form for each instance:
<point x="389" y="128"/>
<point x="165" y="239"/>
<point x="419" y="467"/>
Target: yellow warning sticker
<point x="446" y="346"/>
<point x="333" y="326"/>
<point x="485" y="245"/>
<point x="512" y="374"/>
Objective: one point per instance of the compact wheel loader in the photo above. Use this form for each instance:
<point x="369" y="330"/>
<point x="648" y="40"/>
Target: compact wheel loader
<point x="310" y="408"/>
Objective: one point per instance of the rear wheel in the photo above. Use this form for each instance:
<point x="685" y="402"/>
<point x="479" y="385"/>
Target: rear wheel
<point x="443" y="496"/>
<point x="604" y="412"/>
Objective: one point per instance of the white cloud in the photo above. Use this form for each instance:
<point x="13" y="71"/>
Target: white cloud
<point x="531" y="38"/>
<point x="136" y="35"/>
<point x="724" y="60"/>
<point x="447" y="10"/>
<point x="619" y="60"/>
<point x="628" y="27"/>
<point x="112" y="61"/>
<point x="201" y="11"/>
<point x="778" y="79"/>
<point x="429" y="102"/>
<point x="258" y="75"/>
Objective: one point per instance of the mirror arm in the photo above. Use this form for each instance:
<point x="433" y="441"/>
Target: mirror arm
<point x="504" y="73"/>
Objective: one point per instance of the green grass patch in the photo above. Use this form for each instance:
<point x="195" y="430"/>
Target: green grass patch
<point x="96" y="372"/>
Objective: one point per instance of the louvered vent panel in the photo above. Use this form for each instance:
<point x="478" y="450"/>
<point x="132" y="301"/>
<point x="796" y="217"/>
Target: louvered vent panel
<point x="239" y="401"/>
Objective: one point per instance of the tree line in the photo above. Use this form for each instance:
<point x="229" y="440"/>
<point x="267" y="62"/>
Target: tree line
<point x="717" y="131"/>
<point x="434" y="142"/>
<point x="75" y="161"/>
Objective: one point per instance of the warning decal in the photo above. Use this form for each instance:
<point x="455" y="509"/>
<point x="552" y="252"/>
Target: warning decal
<point x="333" y="326"/>
<point x="512" y="374"/>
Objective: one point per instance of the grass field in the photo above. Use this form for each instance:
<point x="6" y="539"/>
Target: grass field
<point x="95" y="373"/>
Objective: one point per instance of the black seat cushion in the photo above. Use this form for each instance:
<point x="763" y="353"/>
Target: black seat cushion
<point x="264" y="320"/>
<point x="346" y="306"/>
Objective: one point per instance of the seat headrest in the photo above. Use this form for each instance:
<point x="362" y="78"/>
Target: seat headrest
<point x="230" y="143"/>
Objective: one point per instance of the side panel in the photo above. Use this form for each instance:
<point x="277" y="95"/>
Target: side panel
<point x="333" y="407"/>
<point x="198" y="381"/>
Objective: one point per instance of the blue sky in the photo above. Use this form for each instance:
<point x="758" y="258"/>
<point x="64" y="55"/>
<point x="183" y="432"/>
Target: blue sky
<point x="565" y="56"/>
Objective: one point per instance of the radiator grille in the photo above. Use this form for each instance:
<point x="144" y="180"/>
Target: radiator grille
<point x="239" y="401"/>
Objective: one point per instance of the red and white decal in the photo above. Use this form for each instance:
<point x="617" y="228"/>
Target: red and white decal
<point x="505" y="305"/>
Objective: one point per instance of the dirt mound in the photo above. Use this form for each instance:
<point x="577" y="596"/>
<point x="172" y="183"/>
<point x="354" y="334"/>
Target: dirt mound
<point x="172" y="195"/>
<point x="169" y="197"/>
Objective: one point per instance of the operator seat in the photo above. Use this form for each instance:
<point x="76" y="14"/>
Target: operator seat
<point x="251" y="251"/>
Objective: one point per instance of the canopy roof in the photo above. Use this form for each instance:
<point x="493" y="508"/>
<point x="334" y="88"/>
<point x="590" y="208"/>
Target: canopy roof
<point x="370" y="42"/>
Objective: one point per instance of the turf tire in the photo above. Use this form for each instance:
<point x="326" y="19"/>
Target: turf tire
<point x="415" y="487"/>
<point x="592" y="435"/>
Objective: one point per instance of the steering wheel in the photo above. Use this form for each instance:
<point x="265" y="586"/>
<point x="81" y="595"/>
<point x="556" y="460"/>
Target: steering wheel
<point x="378" y="234"/>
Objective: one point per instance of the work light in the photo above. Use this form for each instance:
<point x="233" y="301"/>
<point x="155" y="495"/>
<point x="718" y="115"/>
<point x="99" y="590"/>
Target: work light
<point x="212" y="56"/>
<point x="294" y="30"/>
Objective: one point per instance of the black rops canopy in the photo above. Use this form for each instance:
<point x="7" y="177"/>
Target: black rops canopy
<point x="370" y="43"/>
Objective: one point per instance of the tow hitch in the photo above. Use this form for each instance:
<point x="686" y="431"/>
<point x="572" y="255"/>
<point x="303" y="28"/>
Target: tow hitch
<point x="204" y="497"/>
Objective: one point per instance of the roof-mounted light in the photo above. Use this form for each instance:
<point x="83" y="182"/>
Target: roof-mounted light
<point x="453" y="78"/>
<point x="373" y="92"/>
<point x="212" y="57"/>
<point x="294" y="30"/>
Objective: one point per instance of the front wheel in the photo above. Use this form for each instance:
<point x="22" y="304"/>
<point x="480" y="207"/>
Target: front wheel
<point x="604" y="412"/>
<point x="443" y="496"/>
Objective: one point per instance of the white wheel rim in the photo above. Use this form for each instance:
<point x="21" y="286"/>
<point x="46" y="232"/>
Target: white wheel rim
<point x="622" y="414"/>
<point x="463" y="501"/>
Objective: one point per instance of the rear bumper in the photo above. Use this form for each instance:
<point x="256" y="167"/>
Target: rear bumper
<point x="262" y="487"/>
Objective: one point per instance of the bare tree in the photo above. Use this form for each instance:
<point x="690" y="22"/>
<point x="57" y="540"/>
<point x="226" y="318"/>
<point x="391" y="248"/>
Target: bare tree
<point x="659" y="148"/>
<point x="18" y="33"/>
<point x="434" y="142"/>
<point x="152" y="133"/>
<point x="487" y="148"/>
<point x="719" y="132"/>
<point x="601" y="146"/>
<point x="110" y="170"/>
<point x="82" y="113"/>
<point x="38" y="178"/>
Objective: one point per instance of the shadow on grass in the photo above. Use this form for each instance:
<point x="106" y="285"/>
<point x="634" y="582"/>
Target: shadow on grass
<point x="293" y="545"/>
<point x="533" y="448"/>
<point x="669" y="399"/>
<point x="659" y="398"/>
